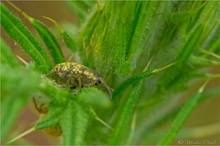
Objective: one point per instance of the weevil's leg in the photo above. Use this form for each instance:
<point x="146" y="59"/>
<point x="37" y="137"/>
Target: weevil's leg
<point x="80" y="83"/>
<point x="71" y="81"/>
<point x="41" y="109"/>
<point x="35" y="105"/>
<point x="75" y="81"/>
<point x="67" y="82"/>
<point x="73" y="85"/>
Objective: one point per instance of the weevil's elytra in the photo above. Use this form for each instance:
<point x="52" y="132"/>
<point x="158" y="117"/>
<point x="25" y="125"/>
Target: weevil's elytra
<point x="77" y="75"/>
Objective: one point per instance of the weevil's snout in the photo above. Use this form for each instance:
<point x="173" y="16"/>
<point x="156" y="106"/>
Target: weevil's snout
<point x="107" y="88"/>
<point x="110" y="94"/>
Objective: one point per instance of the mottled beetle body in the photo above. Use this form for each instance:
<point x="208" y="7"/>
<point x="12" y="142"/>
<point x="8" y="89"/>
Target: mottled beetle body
<point x="77" y="75"/>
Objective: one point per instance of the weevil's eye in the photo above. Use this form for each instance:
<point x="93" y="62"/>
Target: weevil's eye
<point x="98" y="81"/>
<point x="73" y="87"/>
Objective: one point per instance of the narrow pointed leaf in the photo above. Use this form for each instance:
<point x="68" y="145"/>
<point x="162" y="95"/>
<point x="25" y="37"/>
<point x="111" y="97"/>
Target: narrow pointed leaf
<point x="126" y="115"/>
<point x="191" y="44"/>
<point x="50" y="41"/>
<point x="188" y="49"/>
<point x="181" y="117"/>
<point x="75" y="8"/>
<point x="69" y="41"/>
<point x="45" y="34"/>
<point x="137" y="78"/>
<point x="17" y="31"/>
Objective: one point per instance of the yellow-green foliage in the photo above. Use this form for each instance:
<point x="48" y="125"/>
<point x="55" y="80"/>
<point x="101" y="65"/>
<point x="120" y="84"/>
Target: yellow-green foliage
<point x="147" y="52"/>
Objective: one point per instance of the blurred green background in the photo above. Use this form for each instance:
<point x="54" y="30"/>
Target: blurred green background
<point x="206" y="113"/>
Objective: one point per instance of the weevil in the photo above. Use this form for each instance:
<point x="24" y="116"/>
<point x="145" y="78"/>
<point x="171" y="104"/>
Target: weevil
<point x="43" y="110"/>
<point x="78" y="75"/>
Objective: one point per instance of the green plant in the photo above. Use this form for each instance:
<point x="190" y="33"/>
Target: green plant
<point x="148" y="52"/>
